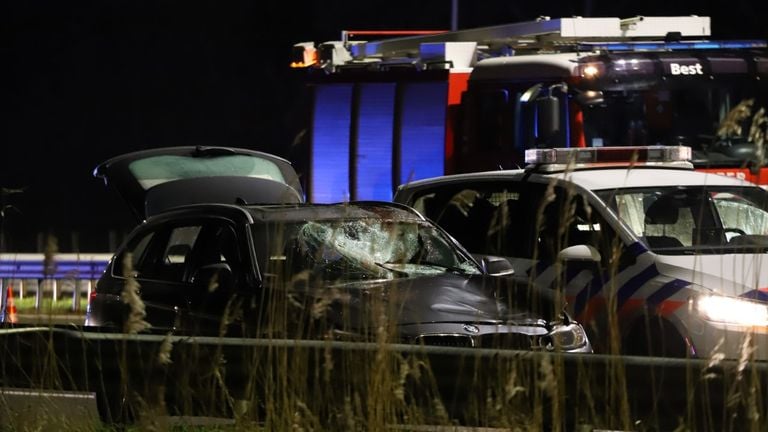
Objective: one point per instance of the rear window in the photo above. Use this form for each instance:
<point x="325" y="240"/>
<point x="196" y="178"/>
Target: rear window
<point x="161" y="169"/>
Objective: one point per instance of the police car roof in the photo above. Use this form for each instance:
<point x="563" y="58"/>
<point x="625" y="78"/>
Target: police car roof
<point x="597" y="178"/>
<point x="612" y="178"/>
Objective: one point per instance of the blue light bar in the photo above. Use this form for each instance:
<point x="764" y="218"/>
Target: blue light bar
<point x="671" y="46"/>
<point x="329" y="166"/>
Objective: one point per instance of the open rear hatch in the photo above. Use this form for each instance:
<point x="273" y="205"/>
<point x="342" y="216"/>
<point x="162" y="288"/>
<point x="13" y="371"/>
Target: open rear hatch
<point x="152" y="181"/>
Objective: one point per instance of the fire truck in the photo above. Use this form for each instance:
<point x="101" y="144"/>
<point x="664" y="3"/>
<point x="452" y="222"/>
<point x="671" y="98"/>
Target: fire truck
<point x="388" y="111"/>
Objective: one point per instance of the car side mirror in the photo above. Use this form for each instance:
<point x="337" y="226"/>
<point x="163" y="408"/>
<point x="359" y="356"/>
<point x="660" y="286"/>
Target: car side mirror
<point x="548" y="116"/>
<point x="579" y="253"/>
<point x="497" y="266"/>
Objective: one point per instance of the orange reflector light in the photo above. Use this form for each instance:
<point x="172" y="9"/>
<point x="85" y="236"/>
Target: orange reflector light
<point x="304" y="55"/>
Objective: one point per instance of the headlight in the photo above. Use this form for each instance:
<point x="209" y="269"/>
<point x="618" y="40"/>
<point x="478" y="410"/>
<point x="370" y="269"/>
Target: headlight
<point x="731" y="310"/>
<point x="565" y="338"/>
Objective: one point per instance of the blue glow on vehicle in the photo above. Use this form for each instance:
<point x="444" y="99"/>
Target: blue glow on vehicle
<point x="662" y="46"/>
<point x="374" y="144"/>
<point x="36" y="269"/>
<point x="422" y="139"/>
<point x="329" y="164"/>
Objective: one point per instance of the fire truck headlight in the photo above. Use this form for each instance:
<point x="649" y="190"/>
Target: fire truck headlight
<point x="591" y="70"/>
<point x="732" y="310"/>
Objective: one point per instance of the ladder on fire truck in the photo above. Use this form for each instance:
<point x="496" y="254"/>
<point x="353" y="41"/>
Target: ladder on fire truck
<point x="461" y="48"/>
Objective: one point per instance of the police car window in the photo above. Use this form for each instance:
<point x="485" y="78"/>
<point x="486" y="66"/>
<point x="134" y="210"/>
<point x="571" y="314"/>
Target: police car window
<point x="422" y="205"/>
<point x="739" y="213"/>
<point x="565" y="221"/>
<point x="693" y="219"/>
<point x="661" y="221"/>
<point x="481" y="216"/>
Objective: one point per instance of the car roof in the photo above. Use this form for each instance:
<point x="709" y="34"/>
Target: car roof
<point x="595" y="178"/>
<point x="457" y="178"/>
<point x="152" y="181"/>
<point x="602" y="179"/>
<point x="346" y="210"/>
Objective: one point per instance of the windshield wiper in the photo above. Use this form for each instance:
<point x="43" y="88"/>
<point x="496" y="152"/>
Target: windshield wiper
<point x="448" y="268"/>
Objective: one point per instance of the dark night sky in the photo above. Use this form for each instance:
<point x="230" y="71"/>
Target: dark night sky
<point x="86" y="80"/>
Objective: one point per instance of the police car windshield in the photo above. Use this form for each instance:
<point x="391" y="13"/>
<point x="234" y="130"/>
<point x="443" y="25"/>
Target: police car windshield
<point x="694" y="220"/>
<point x="341" y="250"/>
<point x="722" y="123"/>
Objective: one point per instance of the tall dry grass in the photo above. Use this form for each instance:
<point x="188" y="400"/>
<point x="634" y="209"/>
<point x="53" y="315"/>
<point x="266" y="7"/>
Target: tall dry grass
<point x="298" y="376"/>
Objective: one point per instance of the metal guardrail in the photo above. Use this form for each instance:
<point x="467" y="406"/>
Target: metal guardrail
<point x="63" y="266"/>
<point x="93" y="360"/>
<point x="65" y="274"/>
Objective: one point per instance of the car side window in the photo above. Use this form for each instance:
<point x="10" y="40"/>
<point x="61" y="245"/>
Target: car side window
<point x="213" y="268"/>
<point x="167" y="253"/>
<point x="138" y="250"/>
<point x="180" y="245"/>
<point x="214" y="244"/>
<point x="178" y="253"/>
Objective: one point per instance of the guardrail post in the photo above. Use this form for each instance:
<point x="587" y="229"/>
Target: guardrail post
<point x="39" y="294"/>
<point x="17" y="284"/>
<point x="30" y="285"/>
<point x="91" y="284"/>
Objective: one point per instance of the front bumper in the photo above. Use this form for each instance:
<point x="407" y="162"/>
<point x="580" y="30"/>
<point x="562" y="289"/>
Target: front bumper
<point x="572" y="339"/>
<point x="708" y="339"/>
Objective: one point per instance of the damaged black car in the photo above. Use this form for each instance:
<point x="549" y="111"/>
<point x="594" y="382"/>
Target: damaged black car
<point x="361" y="271"/>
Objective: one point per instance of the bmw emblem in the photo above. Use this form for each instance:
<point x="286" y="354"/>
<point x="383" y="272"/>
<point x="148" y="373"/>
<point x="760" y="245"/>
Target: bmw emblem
<point x="471" y="328"/>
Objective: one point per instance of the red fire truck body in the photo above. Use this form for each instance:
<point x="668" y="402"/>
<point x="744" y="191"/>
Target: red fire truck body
<point x="394" y="110"/>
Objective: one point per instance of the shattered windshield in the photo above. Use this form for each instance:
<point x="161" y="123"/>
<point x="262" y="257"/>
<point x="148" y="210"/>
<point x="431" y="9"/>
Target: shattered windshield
<point x="694" y="220"/>
<point x="725" y="123"/>
<point x="360" y="249"/>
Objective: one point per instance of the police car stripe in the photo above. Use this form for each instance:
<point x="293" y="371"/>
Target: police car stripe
<point x="758" y="294"/>
<point x="584" y="296"/>
<point x="593" y="289"/>
<point x="571" y="273"/>
<point x="634" y="284"/>
<point x="666" y="291"/>
<point x="625" y="303"/>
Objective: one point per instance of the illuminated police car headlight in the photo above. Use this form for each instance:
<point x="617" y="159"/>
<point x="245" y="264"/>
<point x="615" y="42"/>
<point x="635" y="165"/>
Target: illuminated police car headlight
<point x="731" y="310"/>
<point x="565" y="337"/>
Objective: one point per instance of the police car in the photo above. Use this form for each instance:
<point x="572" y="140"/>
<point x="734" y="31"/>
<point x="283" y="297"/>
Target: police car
<point x="653" y="257"/>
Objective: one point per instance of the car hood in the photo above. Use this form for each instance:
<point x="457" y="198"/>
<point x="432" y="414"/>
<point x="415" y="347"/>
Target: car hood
<point x="730" y="274"/>
<point x="448" y="298"/>
<point x="154" y="180"/>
